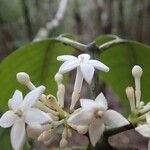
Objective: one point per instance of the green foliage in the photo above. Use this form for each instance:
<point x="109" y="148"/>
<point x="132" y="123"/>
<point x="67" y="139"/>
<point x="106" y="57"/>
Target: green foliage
<point x="38" y="59"/>
<point x="5" y="139"/>
<point x="121" y="58"/>
<point x="10" y="10"/>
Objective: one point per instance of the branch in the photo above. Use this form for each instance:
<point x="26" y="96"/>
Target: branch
<point x="79" y="46"/>
<point x="44" y="32"/>
<point x="111" y="44"/>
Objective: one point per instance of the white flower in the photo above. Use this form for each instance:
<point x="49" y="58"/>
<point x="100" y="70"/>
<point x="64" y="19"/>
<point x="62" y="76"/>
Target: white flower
<point x="85" y="69"/>
<point x="145" y="129"/>
<point x="21" y="112"/>
<point x="84" y="63"/>
<point x="96" y="116"/>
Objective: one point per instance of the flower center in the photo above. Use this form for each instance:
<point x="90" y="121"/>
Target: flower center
<point x="98" y="114"/>
<point x="19" y="113"/>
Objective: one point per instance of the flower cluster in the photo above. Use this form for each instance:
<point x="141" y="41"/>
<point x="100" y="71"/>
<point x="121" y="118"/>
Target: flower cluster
<point x="140" y="111"/>
<point x="42" y="117"/>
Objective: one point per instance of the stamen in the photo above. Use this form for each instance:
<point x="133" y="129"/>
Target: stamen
<point x="98" y="114"/>
<point x="19" y="113"/>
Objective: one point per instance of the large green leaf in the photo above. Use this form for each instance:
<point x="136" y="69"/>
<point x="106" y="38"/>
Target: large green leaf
<point x="121" y="58"/>
<point x="38" y="59"/>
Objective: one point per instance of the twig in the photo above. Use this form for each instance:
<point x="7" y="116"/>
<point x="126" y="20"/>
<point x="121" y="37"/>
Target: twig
<point x="79" y="46"/>
<point x="44" y="32"/>
<point x="110" y="132"/>
<point x="111" y="44"/>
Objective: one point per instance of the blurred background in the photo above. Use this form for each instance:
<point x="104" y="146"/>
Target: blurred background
<point x="23" y="21"/>
<point x="20" y="20"/>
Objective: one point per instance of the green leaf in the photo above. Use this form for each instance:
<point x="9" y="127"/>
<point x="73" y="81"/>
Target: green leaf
<point x="38" y="59"/>
<point x="104" y="38"/>
<point x="121" y="58"/>
<point x="5" y="139"/>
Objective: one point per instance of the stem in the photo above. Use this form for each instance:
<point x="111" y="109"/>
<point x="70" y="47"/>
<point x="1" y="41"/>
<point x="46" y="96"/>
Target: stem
<point x="70" y="42"/>
<point x="95" y="86"/>
<point x="110" y="132"/>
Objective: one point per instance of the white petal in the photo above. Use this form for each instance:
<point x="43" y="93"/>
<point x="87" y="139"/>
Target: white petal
<point x="98" y="65"/>
<point x="87" y="71"/>
<point x="144" y="130"/>
<point x="16" y="100"/>
<point x="114" y="119"/>
<point x="96" y="129"/>
<point x="7" y="119"/>
<point x="68" y="66"/>
<point x="18" y="135"/>
<point x="35" y="115"/>
<point x="148" y="118"/>
<point x="87" y="103"/>
<point x="66" y="58"/>
<point x="32" y="97"/>
<point x="84" y="57"/>
<point x="81" y="118"/>
<point x="101" y="100"/>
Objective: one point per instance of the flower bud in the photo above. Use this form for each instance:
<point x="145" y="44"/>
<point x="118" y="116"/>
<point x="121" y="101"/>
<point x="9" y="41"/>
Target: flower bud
<point x="137" y="71"/>
<point x="75" y="97"/>
<point x="69" y="133"/>
<point x="24" y="79"/>
<point x="131" y="97"/>
<point x="63" y="143"/>
<point x="45" y="136"/>
<point x="58" y="78"/>
<point x="61" y="94"/>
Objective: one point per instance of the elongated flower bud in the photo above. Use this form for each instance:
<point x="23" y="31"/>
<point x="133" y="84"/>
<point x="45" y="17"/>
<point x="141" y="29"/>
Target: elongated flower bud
<point x="75" y="97"/>
<point x="61" y="94"/>
<point x="24" y="79"/>
<point x="61" y="89"/>
<point x="131" y="97"/>
<point x="137" y="73"/>
<point x="58" y="78"/>
<point x="45" y="136"/>
<point x="146" y="108"/>
<point x="69" y="133"/>
<point x="77" y="89"/>
<point x="63" y="143"/>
